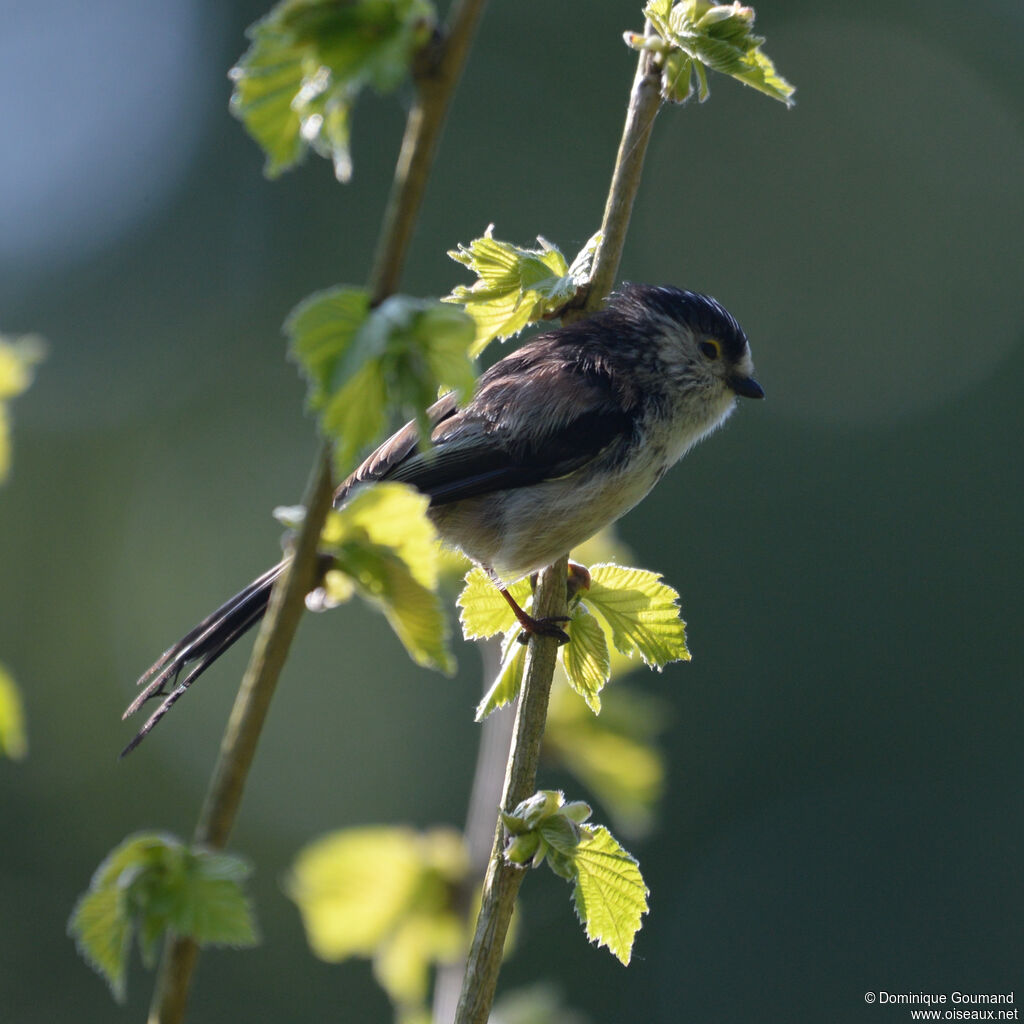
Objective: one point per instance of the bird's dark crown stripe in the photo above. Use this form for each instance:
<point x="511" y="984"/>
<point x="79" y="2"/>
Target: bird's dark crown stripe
<point x="700" y="312"/>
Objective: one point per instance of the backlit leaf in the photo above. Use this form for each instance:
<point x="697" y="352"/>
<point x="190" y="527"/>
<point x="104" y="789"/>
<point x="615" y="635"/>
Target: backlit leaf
<point x="294" y="88"/>
<point x="641" y="612"/>
<point x="151" y="883"/>
<point x="509" y="680"/>
<point x="691" y="36"/>
<point x="585" y="658"/>
<point x="610" y="895"/>
<point x="363" y="364"/>
<point x="516" y="286"/>
<point x="483" y="611"/>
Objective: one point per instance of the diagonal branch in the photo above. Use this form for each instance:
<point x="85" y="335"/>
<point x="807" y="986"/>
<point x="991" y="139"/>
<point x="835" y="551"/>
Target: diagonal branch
<point x="436" y="81"/>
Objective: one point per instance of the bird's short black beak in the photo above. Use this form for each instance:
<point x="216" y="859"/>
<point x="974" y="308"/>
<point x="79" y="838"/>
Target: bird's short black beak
<point x="746" y="387"/>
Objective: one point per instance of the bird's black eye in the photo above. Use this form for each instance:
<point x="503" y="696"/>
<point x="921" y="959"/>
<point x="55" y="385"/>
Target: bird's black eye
<point x="711" y="348"/>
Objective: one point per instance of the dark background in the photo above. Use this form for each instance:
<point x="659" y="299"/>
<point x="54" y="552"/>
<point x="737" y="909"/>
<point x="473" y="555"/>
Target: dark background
<point x="844" y="809"/>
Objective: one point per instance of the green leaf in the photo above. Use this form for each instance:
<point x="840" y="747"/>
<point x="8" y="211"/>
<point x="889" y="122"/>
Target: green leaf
<point x="610" y="895"/>
<point x="509" y="680"/>
<point x="351" y="888"/>
<point x="386" y="550"/>
<point x="13" y="739"/>
<point x="585" y="658"/>
<point x="103" y="934"/>
<point x="641" y="612"/>
<point x="413" y="611"/>
<point x="692" y="36"/>
<point x="392" y="516"/>
<point x="294" y="88"/>
<point x="483" y="611"/>
<point x="361" y="362"/>
<point x="561" y="833"/>
<point x="384" y="893"/>
<point x="150" y="883"/>
<point x="322" y="329"/>
<point x="516" y="286"/>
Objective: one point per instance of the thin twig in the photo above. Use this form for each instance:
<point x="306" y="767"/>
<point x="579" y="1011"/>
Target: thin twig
<point x="644" y="103"/>
<point x="503" y="880"/>
<point x="436" y="79"/>
<point x="238" y="746"/>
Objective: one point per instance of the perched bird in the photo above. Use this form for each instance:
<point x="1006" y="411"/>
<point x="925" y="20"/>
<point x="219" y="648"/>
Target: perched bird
<point x="560" y="438"/>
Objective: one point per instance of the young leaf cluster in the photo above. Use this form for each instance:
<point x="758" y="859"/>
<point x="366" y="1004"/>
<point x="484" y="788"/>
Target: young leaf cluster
<point x="516" y="286"/>
<point x="692" y="35"/>
<point x="383" y="547"/>
<point x="294" y="88"/>
<point x="152" y="883"/>
<point x="362" y="362"/>
<point x="630" y="610"/>
<point x="386" y="894"/>
<point x="609" y="892"/>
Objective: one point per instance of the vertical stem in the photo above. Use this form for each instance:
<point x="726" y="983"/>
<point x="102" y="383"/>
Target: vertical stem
<point x="436" y="82"/>
<point x="503" y="879"/>
<point x="644" y="103"/>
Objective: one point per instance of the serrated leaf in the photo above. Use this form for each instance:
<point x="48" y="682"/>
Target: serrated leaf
<point x="13" y="739"/>
<point x="692" y="36"/>
<point x="386" y="550"/>
<point x="585" y="658"/>
<point x="295" y="86"/>
<point x="393" y="516"/>
<point x="102" y="931"/>
<point x="760" y="74"/>
<point x="509" y="680"/>
<point x="152" y="882"/>
<point x="214" y="909"/>
<point x="516" y="286"/>
<point x="413" y="610"/>
<point x="483" y="611"/>
<point x="641" y="613"/>
<point x="610" y="895"/>
<point x="363" y="363"/>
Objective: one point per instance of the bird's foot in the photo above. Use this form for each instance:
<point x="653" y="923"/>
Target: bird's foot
<point x="543" y="627"/>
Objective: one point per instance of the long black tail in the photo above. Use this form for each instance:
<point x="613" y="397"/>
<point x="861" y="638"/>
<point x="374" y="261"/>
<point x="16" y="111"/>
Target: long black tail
<point x="199" y="649"/>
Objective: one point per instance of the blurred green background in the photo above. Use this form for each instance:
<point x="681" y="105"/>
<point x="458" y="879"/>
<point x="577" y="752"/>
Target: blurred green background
<point x="844" y="806"/>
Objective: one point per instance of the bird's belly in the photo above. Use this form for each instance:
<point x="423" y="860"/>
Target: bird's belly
<point x="519" y="531"/>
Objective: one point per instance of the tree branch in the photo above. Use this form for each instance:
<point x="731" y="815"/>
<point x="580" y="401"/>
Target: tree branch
<point x="238" y="746"/>
<point x="436" y="84"/>
<point x="644" y="103"/>
<point x="503" y="880"/>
